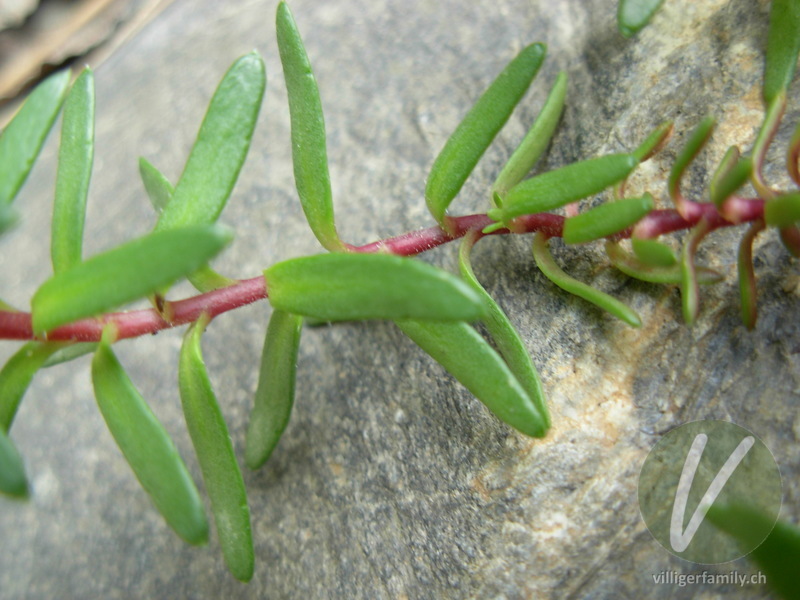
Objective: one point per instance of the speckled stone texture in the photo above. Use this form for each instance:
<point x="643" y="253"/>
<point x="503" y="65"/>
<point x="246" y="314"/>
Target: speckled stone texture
<point x="391" y="480"/>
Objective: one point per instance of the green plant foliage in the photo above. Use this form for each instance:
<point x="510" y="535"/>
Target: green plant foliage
<point x="747" y="276"/>
<point x="214" y="450"/>
<point x="309" y="148"/>
<point x="548" y="266"/>
<point x="535" y="141"/>
<point x="17" y="375"/>
<point x="476" y="131"/>
<point x="275" y="392"/>
<point x="157" y="186"/>
<point x="12" y="471"/>
<point x="125" y="273"/>
<point x="690" y="295"/>
<point x="783" y="210"/>
<point x="653" y="252"/>
<point x="345" y="287"/>
<point x="606" y="219"/>
<point x="633" y="15"/>
<point x="654" y="142"/>
<point x="783" y="46"/>
<point x="697" y="140"/>
<point x="147" y="447"/>
<point x="75" y="157"/>
<point x="637" y="268"/>
<point x="220" y="148"/>
<point x="24" y="136"/>
<point x="470" y="359"/>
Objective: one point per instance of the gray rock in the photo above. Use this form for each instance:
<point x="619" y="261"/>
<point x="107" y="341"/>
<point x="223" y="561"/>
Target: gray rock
<point x="392" y="481"/>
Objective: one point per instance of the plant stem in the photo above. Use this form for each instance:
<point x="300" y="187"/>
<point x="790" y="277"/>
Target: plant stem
<point x="17" y="325"/>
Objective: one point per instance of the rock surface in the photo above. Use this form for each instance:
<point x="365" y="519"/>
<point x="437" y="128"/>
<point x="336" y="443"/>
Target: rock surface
<point x="391" y="480"/>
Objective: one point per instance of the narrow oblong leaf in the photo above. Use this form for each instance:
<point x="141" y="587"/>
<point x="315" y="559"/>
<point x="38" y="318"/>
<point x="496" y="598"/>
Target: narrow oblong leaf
<point x="556" y="188"/>
<point x="653" y="252"/>
<point x="472" y="361"/>
<point x="504" y="335"/>
<point x="469" y="141"/>
<point x="212" y="444"/>
<point x="75" y="157"/>
<point x="220" y="148"/>
<point x="783" y="46"/>
<point x="12" y="471"/>
<point x="157" y="186"/>
<point x="654" y="142"/>
<point x="343" y="287"/>
<point x="125" y="273"/>
<point x="23" y="137"/>
<point x="548" y="266"/>
<point x="747" y="276"/>
<point x="697" y="140"/>
<point x="783" y="210"/>
<point x="275" y="391"/>
<point x="309" y="149"/>
<point x="728" y="162"/>
<point x="644" y="271"/>
<point x="17" y="375"/>
<point x="766" y="133"/>
<point x="633" y="15"/>
<point x="690" y="295"/>
<point x="68" y="352"/>
<point x="606" y="219"/>
<point x="148" y="448"/>
<point x="535" y="141"/>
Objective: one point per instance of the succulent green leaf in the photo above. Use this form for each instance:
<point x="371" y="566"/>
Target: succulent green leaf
<point x="505" y="336"/>
<point x="469" y="141"/>
<point x="728" y="162"/>
<point x="782" y="211"/>
<point x="220" y="148"/>
<point x="125" y="273"/>
<point x="654" y="142"/>
<point x="472" y="361"/>
<point x="606" y="219"/>
<point x="698" y="138"/>
<point x="535" y="141"/>
<point x="147" y="447"/>
<point x="12" y="471"/>
<point x="23" y="137"/>
<point x="556" y="188"/>
<point x="157" y="186"/>
<point x="212" y="444"/>
<point x="343" y="287"/>
<point x="633" y="15"/>
<point x="548" y="266"/>
<point x="783" y="46"/>
<point x="75" y="157"/>
<point x="777" y="556"/>
<point x="690" y="296"/>
<point x="653" y="252"/>
<point x="69" y="352"/>
<point x="653" y="273"/>
<point x="275" y="391"/>
<point x="17" y="375"/>
<point x="766" y="133"/>
<point x="309" y="150"/>
<point x="747" y="276"/>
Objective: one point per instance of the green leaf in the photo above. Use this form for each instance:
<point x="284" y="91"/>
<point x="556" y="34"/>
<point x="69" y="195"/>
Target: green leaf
<point x="606" y="219"/>
<point x="212" y="443"/>
<point x="690" y="295"/>
<point x="342" y="287"/>
<point x="548" y="266"/>
<point x="24" y="136"/>
<point x="147" y="447"/>
<point x="644" y="271"/>
<point x="782" y="211"/>
<point x="309" y="150"/>
<point x="12" y="471"/>
<point x="17" y="375"/>
<point x="654" y="142"/>
<point x="633" y="15"/>
<point x="783" y="46"/>
<point x="472" y="361"/>
<point x="125" y="273"/>
<point x="476" y="131"/>
<point x="505" y="336"/>
<point x="561" y="186"/>
<point x="766" y="133"/>
<point x="275" y="392"/>
<point x="747" y="276"/>
<point x="653" y="252"/>
<point x="777" y="556"/>
<point x="69" y="352"/>
<point x="157" y="186"/>
<point x="75" y="157"/>
<point x="220" y="148"/>
<point x="698" y="138"/>
<point x="535" y="142"/>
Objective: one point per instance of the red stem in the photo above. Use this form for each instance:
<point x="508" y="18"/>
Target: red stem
<point x="17" y="325"/>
